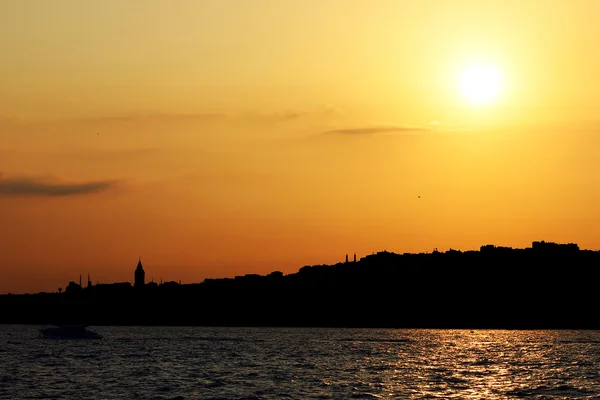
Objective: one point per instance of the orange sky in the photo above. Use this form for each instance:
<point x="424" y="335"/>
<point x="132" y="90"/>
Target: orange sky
<point x="220" y="138"/>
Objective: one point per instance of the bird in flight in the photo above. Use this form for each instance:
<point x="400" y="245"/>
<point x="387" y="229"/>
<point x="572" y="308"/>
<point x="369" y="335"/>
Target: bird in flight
<point x="419" y="197"/>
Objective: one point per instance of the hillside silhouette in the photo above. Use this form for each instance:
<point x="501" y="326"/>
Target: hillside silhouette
<point x="545" y="286"/>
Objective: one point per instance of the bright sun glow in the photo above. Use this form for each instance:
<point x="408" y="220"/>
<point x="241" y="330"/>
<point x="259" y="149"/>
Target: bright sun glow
<point x="481" y="84"/>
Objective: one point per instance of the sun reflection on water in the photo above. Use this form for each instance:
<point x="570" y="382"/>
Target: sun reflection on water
<point x="304" y="363"/>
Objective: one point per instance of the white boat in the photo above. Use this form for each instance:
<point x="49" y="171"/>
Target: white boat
<point x="68" y="332"/>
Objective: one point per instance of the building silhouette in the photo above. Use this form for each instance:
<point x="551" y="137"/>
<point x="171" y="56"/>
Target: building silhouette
<point x="495" y="287"/>
<point x="139" y="275"/>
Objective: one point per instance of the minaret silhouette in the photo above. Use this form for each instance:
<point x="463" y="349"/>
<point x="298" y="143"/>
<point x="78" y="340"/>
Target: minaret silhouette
<point x="355" y="257"/>
<point x="346" y="258"/>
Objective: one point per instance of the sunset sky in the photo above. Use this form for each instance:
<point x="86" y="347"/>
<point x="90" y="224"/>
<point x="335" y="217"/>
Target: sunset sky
<point x="217" y="138"/>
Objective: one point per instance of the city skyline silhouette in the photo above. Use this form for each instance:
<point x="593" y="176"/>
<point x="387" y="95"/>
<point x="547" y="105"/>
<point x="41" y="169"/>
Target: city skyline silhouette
<point x="546" y="286"/>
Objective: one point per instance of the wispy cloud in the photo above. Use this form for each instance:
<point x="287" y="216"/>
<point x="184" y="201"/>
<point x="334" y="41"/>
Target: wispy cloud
<point x="374" y="130"/>
<point x="155" y="117"/>
<point x="39" y="187"/>
<point x="270" y="114"/>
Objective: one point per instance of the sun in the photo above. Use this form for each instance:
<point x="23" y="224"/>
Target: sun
<point x="481" y="84"/>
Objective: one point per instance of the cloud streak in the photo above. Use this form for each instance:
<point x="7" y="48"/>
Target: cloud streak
<point x="270" y="114"/>
<point x="374" y="130"/>
<point x="32" y="187"/>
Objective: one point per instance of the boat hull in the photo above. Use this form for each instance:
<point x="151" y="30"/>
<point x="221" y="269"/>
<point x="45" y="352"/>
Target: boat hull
<point x="68" y="332"/>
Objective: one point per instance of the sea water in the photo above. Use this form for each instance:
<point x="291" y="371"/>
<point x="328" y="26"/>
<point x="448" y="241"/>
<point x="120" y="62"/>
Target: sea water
<point x="300" y="363"/>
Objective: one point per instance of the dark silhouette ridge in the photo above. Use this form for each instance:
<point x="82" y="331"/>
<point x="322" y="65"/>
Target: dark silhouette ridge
<point x="546" y="286"/>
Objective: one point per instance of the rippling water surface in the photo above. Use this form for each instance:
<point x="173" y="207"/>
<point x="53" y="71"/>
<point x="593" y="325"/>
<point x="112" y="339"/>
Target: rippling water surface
<point x="300" y="363"/>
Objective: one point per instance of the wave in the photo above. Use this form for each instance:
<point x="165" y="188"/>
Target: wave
<point x="367" y="340"/>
